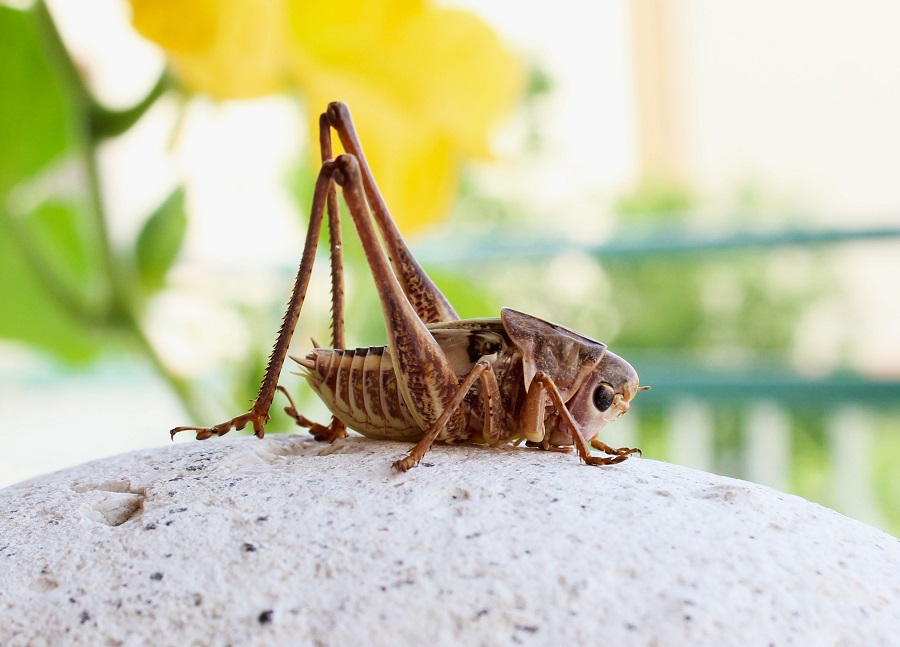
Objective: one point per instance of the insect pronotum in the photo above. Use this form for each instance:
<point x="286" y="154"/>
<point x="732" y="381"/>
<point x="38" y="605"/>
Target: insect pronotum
<point x="492" y="381"/>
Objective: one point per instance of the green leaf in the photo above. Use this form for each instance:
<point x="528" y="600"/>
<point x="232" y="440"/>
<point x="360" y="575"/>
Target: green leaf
<point x="160" y="240"/>
<point x="31" y="312"/>
<point x="38" y="123"/>
<point x="57" y="231"/>
<point x="63" y="246"/>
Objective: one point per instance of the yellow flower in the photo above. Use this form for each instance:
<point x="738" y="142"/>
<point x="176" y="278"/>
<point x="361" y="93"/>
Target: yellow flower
<point x="228" y="49"/>
<point x="424" y="84"/>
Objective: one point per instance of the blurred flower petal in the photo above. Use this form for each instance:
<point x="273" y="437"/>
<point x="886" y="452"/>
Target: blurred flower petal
<point x="228" y="49"/>
<point x="425" y="85"/>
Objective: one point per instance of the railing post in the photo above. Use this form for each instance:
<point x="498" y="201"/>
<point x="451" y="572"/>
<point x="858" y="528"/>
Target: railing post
<point x="691" y="435"/>
<point x="767" y="445"/>
<point x="850" y="440"/>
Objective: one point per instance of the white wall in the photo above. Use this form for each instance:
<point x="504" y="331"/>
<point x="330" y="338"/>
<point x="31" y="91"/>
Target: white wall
<point x="802" y="97"/>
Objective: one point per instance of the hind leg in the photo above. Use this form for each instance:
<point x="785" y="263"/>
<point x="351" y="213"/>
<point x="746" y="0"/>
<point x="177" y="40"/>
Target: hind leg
<point x="324" y="199"/>
<point x="335" y="429"/>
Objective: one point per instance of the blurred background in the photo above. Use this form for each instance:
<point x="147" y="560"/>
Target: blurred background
<point x="708" y="186"/>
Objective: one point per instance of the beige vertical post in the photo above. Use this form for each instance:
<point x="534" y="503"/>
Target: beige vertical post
<point x="691" y="426"/>
<point x="851" y="440"/>
<point x="767" y="445"/>
<point x="654" y="58"/>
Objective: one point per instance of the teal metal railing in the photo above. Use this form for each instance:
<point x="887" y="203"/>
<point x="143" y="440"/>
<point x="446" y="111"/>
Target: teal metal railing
<point x="451" y="252"/>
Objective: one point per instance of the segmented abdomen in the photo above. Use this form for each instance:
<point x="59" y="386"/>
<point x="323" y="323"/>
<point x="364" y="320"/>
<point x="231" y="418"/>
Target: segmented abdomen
<point x="360" y="388"/>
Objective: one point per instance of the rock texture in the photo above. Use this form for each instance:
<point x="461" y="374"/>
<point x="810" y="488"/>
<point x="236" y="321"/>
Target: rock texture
<point x="288" y="542"/>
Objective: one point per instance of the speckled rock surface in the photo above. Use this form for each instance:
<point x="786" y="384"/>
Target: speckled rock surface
<point x="287" y="542"/>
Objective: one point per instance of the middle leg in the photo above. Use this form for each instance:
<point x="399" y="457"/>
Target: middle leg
<point x="415" y="455"/>
<point x="334" y="430"/>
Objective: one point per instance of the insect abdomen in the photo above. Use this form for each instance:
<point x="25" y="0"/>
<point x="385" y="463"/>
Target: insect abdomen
<point x="360" y="388"/>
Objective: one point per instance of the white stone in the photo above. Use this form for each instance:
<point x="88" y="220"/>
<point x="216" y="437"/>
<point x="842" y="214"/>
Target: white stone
<point x="286" y="541"/>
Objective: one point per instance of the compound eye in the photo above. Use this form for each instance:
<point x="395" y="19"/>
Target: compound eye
<point x="603" y="396"/>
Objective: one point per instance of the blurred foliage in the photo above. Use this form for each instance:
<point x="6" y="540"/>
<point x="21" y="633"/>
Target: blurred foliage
<point x="717" y="306"/>
<point x="739" y="305"/>
<point x="658" y="200"/>
<point x="45" y="260"/>
<point x="159" y="241"/>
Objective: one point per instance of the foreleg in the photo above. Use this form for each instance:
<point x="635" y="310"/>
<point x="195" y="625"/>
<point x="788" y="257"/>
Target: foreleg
<point x="596" y="443"/>
<point x="581" y="444"/>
